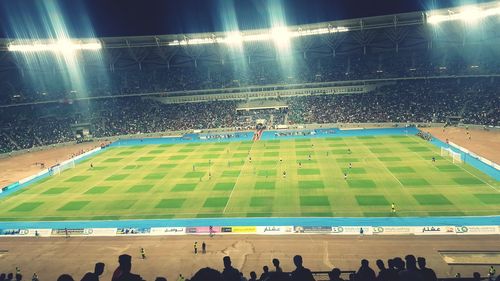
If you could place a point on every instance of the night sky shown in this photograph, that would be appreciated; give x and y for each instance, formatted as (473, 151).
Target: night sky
(104, 18)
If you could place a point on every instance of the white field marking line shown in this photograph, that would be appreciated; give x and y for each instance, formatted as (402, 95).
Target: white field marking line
(99, 182)
(238, 178)
(438, 154)
(385, 167)
(402, 186)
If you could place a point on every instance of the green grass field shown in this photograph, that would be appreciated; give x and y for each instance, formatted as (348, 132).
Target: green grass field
(172, 181)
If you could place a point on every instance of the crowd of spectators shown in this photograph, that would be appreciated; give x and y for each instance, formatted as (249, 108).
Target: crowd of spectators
(50, 85)
(397, 269)
(475, 102)
(468, 100)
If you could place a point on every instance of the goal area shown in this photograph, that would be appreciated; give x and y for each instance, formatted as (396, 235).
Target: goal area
(57, 169)
(448, 152)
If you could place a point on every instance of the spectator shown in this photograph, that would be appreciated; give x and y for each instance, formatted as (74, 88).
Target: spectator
(365, 273)
(122, 273)
(300, 273)
(411, 273)
(265, 273)
(207, 274)
(230, 273)
(65, 277)
(253, 276)
(334, 275)
(427, 273)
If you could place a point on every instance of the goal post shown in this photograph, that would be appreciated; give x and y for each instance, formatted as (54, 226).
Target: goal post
(69, 164)
(448, 152)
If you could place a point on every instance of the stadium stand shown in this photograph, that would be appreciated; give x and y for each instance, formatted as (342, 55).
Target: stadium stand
(430, 100)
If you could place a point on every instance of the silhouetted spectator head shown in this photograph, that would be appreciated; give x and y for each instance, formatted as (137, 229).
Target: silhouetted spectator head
(476, 276)
(334, 274)
(161, 279)
(207, 274)
(10, 276)
(421, 262)
(99, 268)
(125, 262)
(227, 261)
(411, 262)
(364, 263)
(390, 263)
(297, 260)
(380, 264)
(399, 264)
(2, 277)
(276, 262)
(65, 277)
(89, 276)
(253, 275)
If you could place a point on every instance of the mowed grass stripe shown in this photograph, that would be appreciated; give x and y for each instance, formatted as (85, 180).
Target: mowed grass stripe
(125, 188)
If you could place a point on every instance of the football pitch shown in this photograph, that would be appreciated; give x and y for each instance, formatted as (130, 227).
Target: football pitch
(205, 180)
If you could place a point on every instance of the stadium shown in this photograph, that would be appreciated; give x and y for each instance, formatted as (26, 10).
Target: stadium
(372, 139)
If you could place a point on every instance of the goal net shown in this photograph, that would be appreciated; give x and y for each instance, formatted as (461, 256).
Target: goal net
(56, 170)
(447, 152)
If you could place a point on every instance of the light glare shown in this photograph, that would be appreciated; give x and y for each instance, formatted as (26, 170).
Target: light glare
(468, 14)
(62, 46)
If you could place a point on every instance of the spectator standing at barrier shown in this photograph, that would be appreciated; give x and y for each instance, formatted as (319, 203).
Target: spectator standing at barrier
(411, 273)
(383, 273)
(365, 273)
(301, 273)
(122, 273)
(392, 272)
(276, 263)
(334, 275)
(94, 276)
(265, 273)
(427, 273)
(230, 273)
(253, 276)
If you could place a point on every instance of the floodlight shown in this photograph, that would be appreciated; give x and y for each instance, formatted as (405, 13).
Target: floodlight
(62, 46)
(471, 14)
(467, 14)
(256, 37)
(280, 36)
(233, 38)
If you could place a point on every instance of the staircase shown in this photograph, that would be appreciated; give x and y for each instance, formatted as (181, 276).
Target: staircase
(257, 135)
(12, 141)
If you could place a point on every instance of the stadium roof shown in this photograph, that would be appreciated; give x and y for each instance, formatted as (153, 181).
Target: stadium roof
(395, 21)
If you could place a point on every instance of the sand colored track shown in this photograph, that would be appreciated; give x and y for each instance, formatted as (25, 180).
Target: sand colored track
(483, 143)
(168, 256)
(18, 167)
